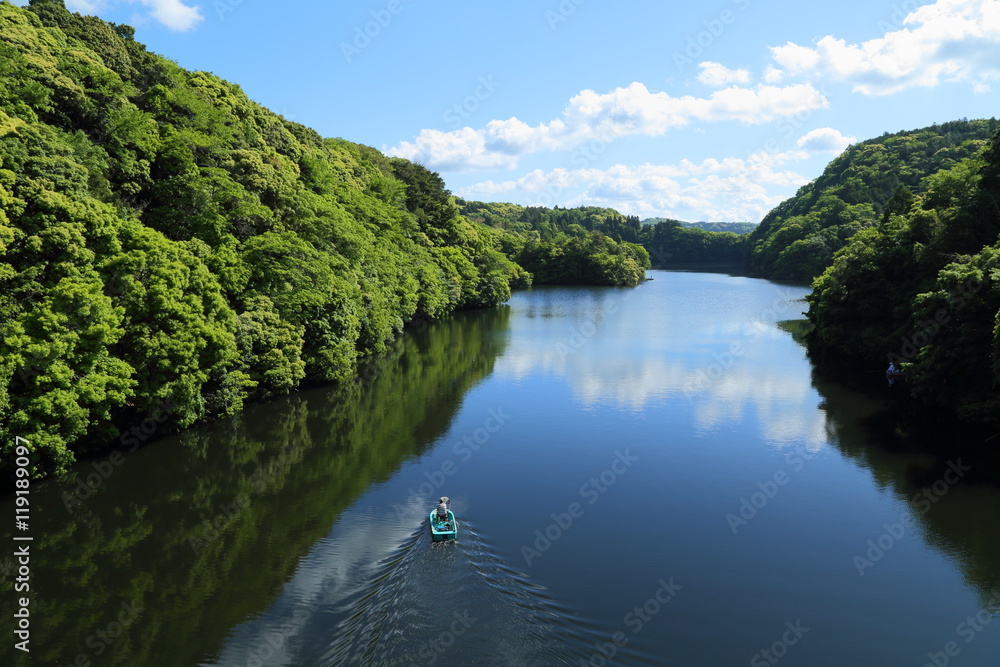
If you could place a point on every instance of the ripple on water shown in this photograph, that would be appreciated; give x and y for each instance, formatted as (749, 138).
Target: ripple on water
(446, 602)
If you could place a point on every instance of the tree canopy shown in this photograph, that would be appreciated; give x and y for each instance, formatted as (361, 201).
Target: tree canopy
(667, 242)
(922, 288)
(170, 247)
(857, 190)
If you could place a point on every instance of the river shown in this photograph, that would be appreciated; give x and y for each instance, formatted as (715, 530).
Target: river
(648, 476)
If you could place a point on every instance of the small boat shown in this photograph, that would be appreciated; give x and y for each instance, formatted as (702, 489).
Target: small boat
(896, 374)
(443, 530)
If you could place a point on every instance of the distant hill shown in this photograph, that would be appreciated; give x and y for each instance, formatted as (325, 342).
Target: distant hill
(670, 243)
(547, 223)
(735, 227)
(856, 191)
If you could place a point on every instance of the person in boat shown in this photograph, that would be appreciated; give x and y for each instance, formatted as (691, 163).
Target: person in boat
(442, 509)
(892, 368)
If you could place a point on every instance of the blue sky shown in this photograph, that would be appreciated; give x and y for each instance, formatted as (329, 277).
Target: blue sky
(698, 111)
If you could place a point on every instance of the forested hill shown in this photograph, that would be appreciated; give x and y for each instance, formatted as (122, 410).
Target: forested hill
(735, 227)
(922, 289)
(169, 249)
(545, 224)
(856, 191)
(668, 242)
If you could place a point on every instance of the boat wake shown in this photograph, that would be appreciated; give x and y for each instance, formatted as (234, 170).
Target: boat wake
(446, 603)
(352, 602)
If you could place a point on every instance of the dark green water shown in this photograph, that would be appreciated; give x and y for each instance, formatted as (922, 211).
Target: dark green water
(643, 477)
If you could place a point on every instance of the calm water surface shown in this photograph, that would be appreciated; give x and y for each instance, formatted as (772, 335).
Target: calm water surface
(643, 477)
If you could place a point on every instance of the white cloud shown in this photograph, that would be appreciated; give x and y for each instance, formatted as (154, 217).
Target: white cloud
(173, 14)
(461, 150)
(84, 6)
(825, 139)
(773, 75)
(946, 41)
(733, 189)
(589, 115)
(718, 75)
(794, 58)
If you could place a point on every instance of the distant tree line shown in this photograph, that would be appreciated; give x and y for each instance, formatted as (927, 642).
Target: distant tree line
(668, 242)
(735, 227)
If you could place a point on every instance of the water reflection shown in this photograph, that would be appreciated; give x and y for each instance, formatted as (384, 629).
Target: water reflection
(201, 531)
(953, 499)
(711, 340)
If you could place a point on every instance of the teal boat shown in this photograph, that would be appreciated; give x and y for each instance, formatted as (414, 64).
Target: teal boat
(443, 530)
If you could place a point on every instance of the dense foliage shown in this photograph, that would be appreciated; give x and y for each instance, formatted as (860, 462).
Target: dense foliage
(568, 246)
(168, 247)
(667, 242)
(922, 288)
(735, 227)
(672, 243)
(546, 224)
(591, 259)
(858, 189)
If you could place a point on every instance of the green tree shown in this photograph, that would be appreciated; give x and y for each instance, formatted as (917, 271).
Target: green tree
(167, 246)
(861, 187)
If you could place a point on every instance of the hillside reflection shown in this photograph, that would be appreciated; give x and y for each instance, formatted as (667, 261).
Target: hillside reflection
(193, 535)
(951, 497)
